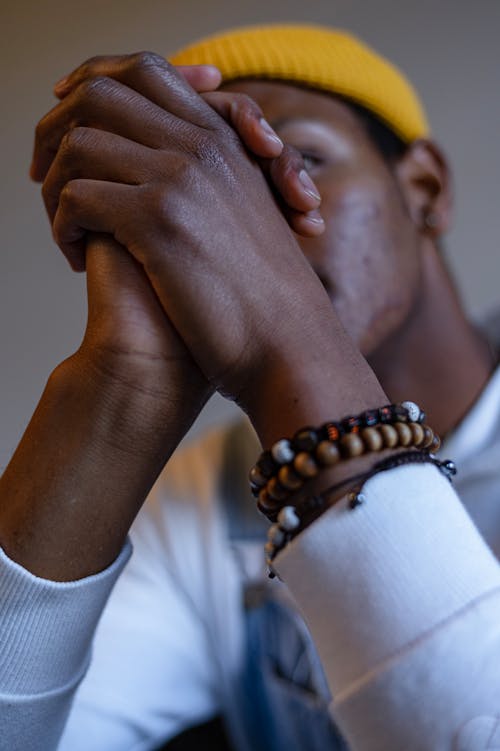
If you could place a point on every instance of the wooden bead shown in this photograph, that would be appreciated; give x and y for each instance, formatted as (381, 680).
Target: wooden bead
(265, 503)
(305, 440)
(435, 445)
(269, 548)
(417, 432)
(327, 453)
(372, 439)
(305, 465)
(404, 433)
(428, 437)
(275, 490)
(389, 435)
(271, 515)
(290, 479)
(352, 445)
(266, 464)
(257, 478)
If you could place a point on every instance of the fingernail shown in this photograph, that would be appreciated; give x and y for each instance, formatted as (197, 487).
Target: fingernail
(213, 70)
(269, 132)
(309, 186)
(314, 217)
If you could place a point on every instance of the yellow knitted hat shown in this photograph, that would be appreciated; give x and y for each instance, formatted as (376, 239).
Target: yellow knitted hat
(318, 57)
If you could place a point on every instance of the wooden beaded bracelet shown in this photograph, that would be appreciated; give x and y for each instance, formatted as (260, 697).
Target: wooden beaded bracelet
(289, 464)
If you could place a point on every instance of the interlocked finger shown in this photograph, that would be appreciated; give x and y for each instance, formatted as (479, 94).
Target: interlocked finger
(152, 76)
(292, 182)
(98, 155)
(108, 105)
(283, 165)
(91, 206)
(247, 118)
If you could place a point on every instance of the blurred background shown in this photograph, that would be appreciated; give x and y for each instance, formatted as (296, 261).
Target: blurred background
(449, 49)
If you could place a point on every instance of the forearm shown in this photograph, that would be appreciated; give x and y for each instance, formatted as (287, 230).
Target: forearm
(318, 380)
(89, 456)
(395, 594)
(311, 385)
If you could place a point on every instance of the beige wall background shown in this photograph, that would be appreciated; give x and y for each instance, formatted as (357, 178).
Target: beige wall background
(449, 48)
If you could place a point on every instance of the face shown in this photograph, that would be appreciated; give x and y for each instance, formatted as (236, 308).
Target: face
(368, 257)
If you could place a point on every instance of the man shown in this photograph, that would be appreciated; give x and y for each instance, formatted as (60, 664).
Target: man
(204, 287)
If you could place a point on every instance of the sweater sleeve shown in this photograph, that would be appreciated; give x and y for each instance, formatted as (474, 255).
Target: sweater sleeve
(402, 597)
(46, 630)
(168, 641)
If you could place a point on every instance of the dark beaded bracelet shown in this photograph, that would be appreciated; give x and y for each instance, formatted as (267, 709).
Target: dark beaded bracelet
(446, 467)
(290, 519)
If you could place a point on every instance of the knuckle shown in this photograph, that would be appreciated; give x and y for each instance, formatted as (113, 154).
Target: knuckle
(59, 231)
(95, 87)
(47, 191)
(166, 201)
(74, 140)
(157, 197)
(88, 65)
(291, 155)
(289, 161)
(69, 196)
(40, 130)
(207, 149)
(248, 105)
(158, 200)
(146, 60)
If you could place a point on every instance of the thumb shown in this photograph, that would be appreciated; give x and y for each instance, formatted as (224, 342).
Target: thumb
(201, 77)
(118, 290)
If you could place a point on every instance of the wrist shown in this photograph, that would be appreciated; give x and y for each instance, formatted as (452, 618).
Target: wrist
(117, 368)
(85, 464)
(134, 395)
(309, 385)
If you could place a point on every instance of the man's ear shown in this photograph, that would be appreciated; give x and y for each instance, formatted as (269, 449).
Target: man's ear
(425, 182)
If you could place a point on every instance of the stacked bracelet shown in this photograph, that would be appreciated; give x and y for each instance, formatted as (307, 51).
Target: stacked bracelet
(289, 464)
(290, 519)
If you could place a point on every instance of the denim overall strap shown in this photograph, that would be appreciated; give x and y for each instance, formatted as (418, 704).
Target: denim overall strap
(284, 692)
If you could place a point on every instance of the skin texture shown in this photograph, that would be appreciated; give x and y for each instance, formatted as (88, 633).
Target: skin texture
(205, 286)
(368, 257)
(377, 259)
(203, 254)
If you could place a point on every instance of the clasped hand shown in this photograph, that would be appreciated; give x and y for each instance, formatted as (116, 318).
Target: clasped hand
(212, 275)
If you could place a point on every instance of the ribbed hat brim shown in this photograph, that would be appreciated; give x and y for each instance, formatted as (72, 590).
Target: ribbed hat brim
(319, 57)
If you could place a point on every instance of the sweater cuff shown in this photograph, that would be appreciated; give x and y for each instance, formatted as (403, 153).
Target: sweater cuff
(372, 581)
(47, 627)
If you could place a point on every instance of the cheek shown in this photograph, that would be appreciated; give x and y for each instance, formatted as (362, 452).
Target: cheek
(370, 260)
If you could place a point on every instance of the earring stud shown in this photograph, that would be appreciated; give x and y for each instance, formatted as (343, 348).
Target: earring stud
(431, 220)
